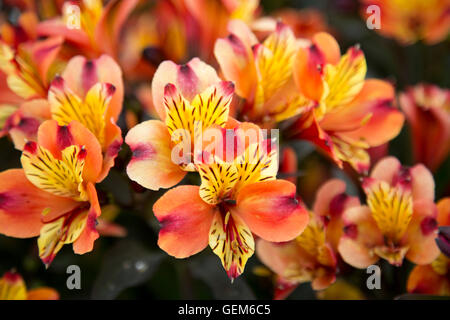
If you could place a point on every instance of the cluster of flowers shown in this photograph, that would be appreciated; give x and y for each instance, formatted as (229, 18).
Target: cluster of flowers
(62, 92)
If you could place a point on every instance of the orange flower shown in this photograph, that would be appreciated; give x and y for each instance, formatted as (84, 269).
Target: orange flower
(189, 99)
(12, 287)
(26, 70)
(411, 21)
(433, 278)
(235, 199)
(350, 114)
(89, 91)
(427, 109)
(311, 256)
(54, 196)
(398, 221)
(262, 72)
(99, 27)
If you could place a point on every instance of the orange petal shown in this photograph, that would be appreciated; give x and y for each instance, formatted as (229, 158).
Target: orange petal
(330, 203)
(43, 293)
(22, 205)
(266, 204)
(235, 58)
(190, 79)
(288, 164)
(361, 234)
(424, 280)
(422, 183)
(85, 242)
(421, 233)
(185, 221)
(328, 46)
(44, 53)
(151, 165)
(384, 125)
(56, 138)
(308, 72)
(386, 169)
(355, 113)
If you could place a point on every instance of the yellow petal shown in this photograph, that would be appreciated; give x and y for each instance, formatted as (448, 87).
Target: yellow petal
(218, 178)
(391, 208)
(232, 241)
(59, 177)
(256, 164)
(57, 233)
(344, 80)
(67, 106)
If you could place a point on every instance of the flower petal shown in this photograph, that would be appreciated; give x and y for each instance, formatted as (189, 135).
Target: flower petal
(421, 233)
(361, 234)
(151, 165)
(189, 79)
(266, 204)
(185, 221)
(22, 205)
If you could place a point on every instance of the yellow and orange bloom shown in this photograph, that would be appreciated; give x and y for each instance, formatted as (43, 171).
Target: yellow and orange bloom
(262, 72)
(427, 110)
(412, 21)
(307, 258)
(399, 220)
(349, 114)
(234, 201)
(12, 287)
(91, 92)
(99, 26)
(54, 195)
(433, 278)
(312, 256)
(189, 99)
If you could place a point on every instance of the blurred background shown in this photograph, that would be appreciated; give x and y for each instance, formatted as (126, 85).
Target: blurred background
(134, 267)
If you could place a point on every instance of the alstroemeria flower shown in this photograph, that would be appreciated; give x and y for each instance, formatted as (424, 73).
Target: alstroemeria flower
(91, 92)
(12, 287)
(308, 258)
(312, 255)
(235, 199)
(433, 278)
(26, 72)
(262, 72)
(189, 99)
(99, 27)
(398, 221)
(411, 21)
(427, 109)
(54, 195)
(351, 114)
(28, 68)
